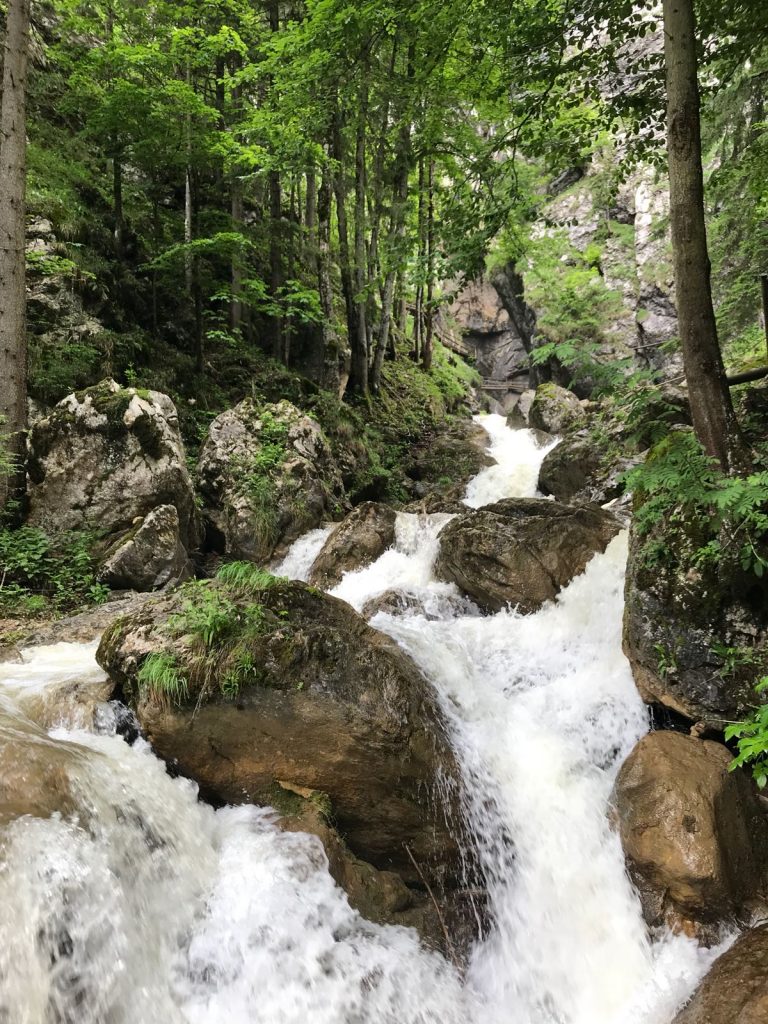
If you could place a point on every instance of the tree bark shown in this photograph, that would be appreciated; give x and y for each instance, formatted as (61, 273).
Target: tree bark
(713, 417)
(13, 295)
(359, 343)
(329, 360)
(429, 330)
(358, 378)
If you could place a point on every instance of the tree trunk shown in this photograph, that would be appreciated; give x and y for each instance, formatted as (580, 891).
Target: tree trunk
(396, 235)
(13, 296)
(329, 360)
(713, 417)
(359, 343)
(429, 330)
(238, 223)
(358, 378)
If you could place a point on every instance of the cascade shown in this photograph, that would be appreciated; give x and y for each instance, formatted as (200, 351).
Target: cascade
(149, 907)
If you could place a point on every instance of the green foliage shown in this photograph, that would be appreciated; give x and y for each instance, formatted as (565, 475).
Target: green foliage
(246, 577)
(752, 737)
(161, 677)
(47, 573)
(207, 616)
(682, 488)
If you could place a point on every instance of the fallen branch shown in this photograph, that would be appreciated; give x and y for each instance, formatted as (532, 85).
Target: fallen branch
(448, 944)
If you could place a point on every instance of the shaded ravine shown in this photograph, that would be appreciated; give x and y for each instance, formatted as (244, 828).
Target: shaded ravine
(148, 906)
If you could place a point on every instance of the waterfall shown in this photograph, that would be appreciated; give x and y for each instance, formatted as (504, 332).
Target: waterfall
(149, 907)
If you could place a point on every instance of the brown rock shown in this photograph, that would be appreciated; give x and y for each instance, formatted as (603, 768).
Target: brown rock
(694, 834)
(36, 772)
(735, 991)
(328, 705)
(521, 551)
(363, 537)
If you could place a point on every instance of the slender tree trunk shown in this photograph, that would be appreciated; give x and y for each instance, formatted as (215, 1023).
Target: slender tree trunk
(713, 417)
(310, 216)
(359, 343)
(329, 361)
(189, 209)
(396, 235)
(358, 378)
(275, 218)
(13, 296)
(429, 330)
(238, 218)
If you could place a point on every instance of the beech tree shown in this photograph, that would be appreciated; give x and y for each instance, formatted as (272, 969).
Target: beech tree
(13, 344)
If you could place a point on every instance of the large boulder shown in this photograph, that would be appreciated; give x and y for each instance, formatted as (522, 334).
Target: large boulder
(521, 551)
(151, 556)
(577, 470)
(106, 457)
(267, 685)
(735, 991)
(444, 463)
(266, 475)
(694, 628)
(694, 833)
(555, 410)
(364, 535)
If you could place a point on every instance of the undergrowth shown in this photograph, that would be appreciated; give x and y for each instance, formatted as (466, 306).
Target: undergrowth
(43, 574)
(219, 627)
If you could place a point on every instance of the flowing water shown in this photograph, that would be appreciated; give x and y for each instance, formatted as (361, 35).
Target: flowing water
(148, 907)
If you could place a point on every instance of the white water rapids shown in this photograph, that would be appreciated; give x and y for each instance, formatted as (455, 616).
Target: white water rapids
(151, 908)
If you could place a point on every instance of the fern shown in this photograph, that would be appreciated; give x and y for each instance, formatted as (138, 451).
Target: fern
(752, 736)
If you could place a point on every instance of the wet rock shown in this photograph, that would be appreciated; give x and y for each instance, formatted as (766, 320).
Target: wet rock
(150, 557)
(82, 628)
(555, 410)
(36, 772)
(363, 537)
(266, 475)
(735, 991)
(695, 835)
(105, 457)
(298, 691)
(518, 418)
(521, 551)
(380, 896)
(434, 607)
(446, 462)
(570, 468)
(576, 470)
(694, 630)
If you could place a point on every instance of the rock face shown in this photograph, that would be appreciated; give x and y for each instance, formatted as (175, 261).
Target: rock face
(735, 991)
(694, 633)
(496, 324)
(695, 835)
(521, 551)
(555, 410)
(106, 457)
(364, 535)
(266, 475)
(151, 556)
(306, 697)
